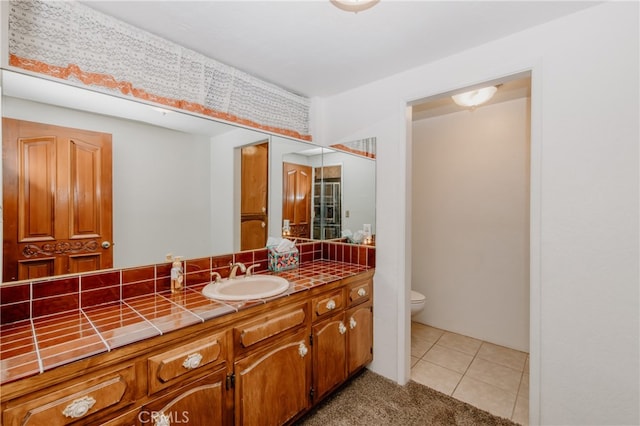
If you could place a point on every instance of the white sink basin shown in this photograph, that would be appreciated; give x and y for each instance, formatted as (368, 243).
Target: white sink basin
(243, 288)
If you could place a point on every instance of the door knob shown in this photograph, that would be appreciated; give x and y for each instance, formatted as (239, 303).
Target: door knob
(106, 244)
(263, 224)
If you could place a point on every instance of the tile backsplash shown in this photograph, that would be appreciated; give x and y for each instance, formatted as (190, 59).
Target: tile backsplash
(38, 298)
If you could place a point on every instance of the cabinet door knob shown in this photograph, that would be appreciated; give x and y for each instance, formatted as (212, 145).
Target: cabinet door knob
(302, 350)
(341, 328)
(79, 407)
(352, 323)
(362, 292)
(192, 361)
(162, 420)
(331, 304)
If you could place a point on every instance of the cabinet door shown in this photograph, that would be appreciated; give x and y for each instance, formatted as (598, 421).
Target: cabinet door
(202, 402)
(272, 385)
(360, 337)
(329, 355)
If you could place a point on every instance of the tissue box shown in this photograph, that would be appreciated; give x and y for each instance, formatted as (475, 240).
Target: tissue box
(283, 261)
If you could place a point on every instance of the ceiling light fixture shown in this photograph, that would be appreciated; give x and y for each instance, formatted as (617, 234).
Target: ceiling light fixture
(474, 98)
(354, 6)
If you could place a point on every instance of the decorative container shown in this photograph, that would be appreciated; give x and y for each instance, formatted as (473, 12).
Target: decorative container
(283, 261)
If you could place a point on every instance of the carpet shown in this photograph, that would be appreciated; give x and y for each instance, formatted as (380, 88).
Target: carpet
(370, 399)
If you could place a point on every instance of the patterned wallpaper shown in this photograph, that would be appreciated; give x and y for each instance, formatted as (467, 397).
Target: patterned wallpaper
(70, 41)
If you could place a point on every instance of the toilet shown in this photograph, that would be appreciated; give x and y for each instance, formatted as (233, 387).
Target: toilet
(417, 302)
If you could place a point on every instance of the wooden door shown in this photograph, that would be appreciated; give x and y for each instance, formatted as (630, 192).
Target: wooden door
(296, 199)
(253, 199)
(202, 402)
(329, 355)
(57, 200)
(272, 385)
(360, 337)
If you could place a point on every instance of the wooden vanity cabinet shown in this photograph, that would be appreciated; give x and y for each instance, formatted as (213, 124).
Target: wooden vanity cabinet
(359, 321)
(272, 369)
(263, 366)
(342, 335)
(272, 385)
(203, 402)
(84, 400)
(329, 355)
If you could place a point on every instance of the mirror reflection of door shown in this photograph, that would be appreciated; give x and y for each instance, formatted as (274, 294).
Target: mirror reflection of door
(296, 199)
(57, 200)
(253, 200)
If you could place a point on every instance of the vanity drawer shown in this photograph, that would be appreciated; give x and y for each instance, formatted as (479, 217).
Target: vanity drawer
(360, 291)
(166, 368)
(79, 402)
(270, 325)
(327, 304)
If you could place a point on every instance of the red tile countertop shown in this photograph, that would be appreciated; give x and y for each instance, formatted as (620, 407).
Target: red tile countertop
(33, 346)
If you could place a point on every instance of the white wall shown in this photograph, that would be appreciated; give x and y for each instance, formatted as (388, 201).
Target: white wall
(225, 191)
(160, 183)
(471, 222)
(358, 189)
(584, 204)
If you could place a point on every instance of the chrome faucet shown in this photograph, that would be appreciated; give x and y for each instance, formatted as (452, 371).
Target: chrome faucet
(234, 269)
(251, 268)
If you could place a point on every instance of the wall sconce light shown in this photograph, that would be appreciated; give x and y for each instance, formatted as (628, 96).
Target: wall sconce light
(474, 98)
(354, 6)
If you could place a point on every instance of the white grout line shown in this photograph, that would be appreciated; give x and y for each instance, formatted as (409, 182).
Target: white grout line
(96, 330)
(35, 343)
(143, 317)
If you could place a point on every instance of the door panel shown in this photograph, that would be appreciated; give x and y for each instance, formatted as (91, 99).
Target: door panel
(296, 199)
(36, 188)
(57, 200)
(253, 198)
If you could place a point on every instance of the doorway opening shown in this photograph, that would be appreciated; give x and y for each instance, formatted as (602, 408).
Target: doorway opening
(470, 245)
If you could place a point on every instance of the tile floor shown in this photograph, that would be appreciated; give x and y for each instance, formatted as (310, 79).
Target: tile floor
(491, 377)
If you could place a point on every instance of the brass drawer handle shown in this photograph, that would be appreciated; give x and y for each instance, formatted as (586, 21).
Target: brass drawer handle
(362, 292)
(331, 304)
(192, 361)
(79, 407)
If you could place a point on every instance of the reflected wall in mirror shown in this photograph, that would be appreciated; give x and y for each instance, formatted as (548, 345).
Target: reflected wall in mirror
(174, 174)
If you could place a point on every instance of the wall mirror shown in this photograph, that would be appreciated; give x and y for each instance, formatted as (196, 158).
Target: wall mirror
(174, 174)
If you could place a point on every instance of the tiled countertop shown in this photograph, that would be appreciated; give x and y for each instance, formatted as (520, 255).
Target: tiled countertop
(33, 346)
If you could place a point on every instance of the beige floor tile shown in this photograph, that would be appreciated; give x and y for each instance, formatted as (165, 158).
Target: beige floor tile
(485, 396)
(425, 332)
(436, 377)
(502, 355)
(448, 358)
(523, 391)
(526, 365)
(494, 374)
(420, 347)
(414, 360)
(460, 343)
(521, 411)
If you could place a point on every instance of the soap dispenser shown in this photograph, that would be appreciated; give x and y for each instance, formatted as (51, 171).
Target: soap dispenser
(177, 274)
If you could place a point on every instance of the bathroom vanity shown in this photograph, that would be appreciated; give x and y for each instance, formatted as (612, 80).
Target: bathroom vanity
(263, 363)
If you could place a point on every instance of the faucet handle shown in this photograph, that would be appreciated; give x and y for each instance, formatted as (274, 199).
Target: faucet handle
(217, 275)
(251, 268)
